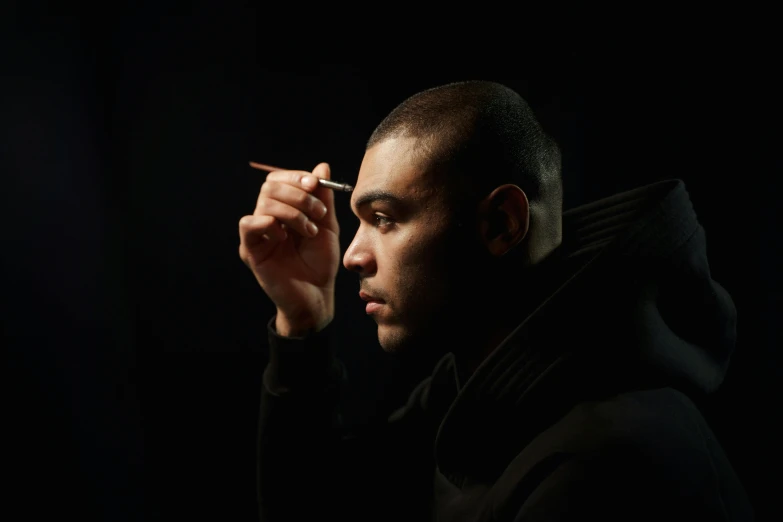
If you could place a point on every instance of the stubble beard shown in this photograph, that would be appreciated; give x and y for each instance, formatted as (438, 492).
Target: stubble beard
(426, 321)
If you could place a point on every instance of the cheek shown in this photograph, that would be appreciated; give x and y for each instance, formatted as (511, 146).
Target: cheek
(423, 266)
(419, 252)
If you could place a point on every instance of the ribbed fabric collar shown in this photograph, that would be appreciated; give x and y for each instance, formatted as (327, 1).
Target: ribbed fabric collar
(530, 379)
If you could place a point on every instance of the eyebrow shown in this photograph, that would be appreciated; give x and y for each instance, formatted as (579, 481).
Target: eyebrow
(377, 195)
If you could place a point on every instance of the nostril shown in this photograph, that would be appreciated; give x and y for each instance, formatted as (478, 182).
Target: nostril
(355, 267)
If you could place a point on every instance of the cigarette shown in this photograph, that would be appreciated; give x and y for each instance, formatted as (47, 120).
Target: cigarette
(345, 187)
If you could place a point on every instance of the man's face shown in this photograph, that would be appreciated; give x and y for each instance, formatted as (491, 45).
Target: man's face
(405, 248)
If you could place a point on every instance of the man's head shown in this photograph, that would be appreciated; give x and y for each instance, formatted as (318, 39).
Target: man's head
(459, 190)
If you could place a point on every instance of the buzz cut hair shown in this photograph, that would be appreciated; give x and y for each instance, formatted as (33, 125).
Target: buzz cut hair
(478, 135)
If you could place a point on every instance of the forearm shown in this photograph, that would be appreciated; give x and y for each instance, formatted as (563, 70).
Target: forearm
(298, 436)
(310, 468)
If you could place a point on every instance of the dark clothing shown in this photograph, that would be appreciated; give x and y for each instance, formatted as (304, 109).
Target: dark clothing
(588, 409)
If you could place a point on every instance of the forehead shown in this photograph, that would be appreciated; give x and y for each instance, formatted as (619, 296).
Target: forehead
(395, 166)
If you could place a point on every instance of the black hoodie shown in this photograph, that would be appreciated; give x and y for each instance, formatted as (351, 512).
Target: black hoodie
(588, 408)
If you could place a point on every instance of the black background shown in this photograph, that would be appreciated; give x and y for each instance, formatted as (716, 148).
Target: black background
(135, 334)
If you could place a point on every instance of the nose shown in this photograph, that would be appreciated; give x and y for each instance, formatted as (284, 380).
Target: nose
(359, 256)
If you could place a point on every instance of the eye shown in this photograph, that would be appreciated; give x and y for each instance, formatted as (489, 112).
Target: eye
(382, 221)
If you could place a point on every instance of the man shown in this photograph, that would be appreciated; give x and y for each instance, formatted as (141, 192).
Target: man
(570, 346)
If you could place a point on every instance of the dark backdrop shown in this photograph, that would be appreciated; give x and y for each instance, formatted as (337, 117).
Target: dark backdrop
(135, 335)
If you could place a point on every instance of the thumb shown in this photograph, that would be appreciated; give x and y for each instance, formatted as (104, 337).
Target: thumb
(323, 170)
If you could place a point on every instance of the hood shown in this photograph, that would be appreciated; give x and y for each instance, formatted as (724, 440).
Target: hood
(634, 306)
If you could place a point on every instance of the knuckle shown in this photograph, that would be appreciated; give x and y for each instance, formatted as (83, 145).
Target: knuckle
(269, 188)
(300, 218)
(244, 255)
(315, 204)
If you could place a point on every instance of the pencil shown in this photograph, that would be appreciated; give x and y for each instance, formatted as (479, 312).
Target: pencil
(323, 182)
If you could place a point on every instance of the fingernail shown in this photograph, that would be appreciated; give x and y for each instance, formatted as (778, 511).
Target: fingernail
(312, 228)
(321, 211)
(309, 181)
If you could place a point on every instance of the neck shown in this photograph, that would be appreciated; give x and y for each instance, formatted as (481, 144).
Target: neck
(499, 314)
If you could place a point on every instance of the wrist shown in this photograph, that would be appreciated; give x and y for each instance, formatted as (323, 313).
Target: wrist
(287, 326)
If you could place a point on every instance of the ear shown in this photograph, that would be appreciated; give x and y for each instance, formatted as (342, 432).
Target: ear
(504, 218)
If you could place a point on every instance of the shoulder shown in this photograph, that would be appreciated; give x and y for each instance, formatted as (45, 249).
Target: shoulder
(636, 456)
(646, 421)
(650, 435)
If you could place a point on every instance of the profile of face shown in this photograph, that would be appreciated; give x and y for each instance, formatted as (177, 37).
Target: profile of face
(409, 252)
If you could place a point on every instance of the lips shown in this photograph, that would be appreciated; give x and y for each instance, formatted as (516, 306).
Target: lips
(368, 297)
(373, 303)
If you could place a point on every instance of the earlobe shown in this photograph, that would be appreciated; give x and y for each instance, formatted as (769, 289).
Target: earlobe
(504, 219)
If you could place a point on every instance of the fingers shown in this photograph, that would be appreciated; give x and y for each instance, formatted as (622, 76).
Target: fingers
(296, 200)
(288, 215)
(306, 203)
(258, 235)
(297, 178)
(323, 170)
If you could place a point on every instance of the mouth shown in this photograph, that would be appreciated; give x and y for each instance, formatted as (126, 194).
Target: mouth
(373, 303)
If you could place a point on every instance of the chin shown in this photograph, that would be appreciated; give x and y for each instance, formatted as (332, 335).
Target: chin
(405, 342)
(395, 339)
(391, 343)
(418, 352)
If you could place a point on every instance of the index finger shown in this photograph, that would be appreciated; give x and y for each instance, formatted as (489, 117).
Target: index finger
(299, 178)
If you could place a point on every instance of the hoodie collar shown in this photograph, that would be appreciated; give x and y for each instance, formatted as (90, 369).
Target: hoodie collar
(544, 367)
